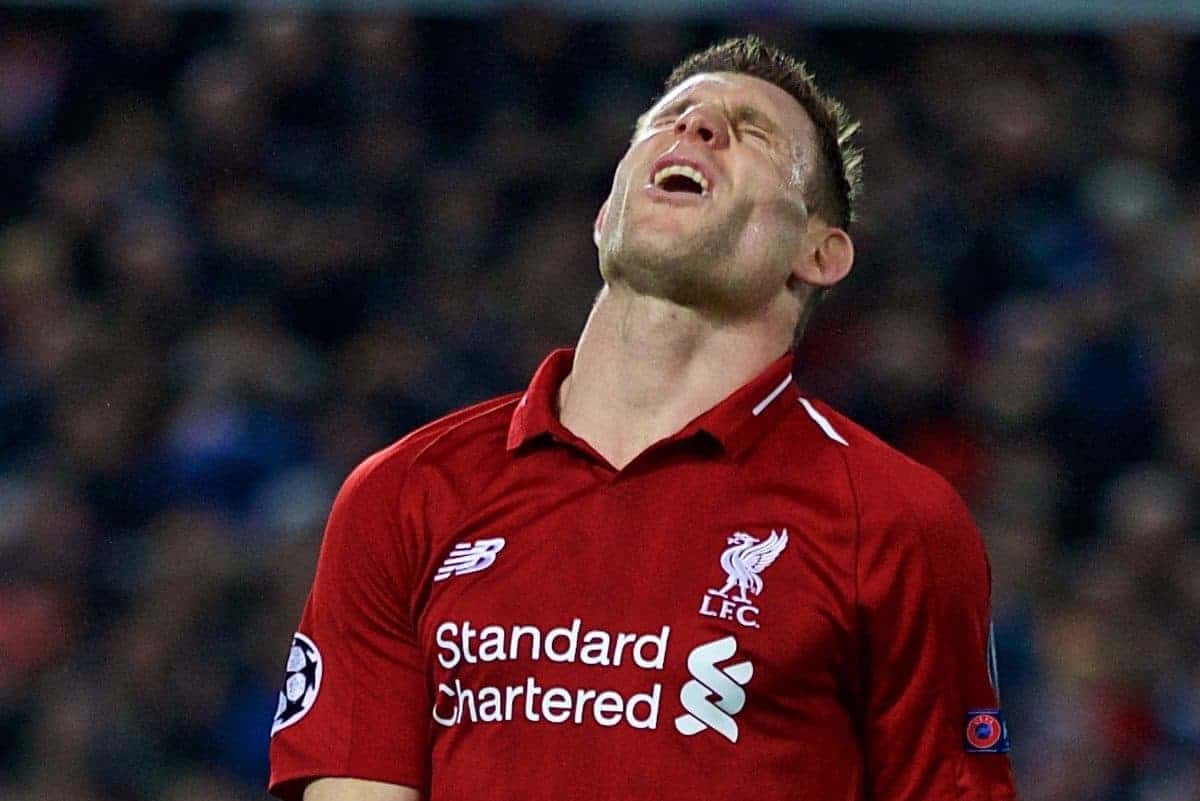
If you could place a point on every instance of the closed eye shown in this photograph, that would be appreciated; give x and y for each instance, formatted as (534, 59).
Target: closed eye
(757, 133)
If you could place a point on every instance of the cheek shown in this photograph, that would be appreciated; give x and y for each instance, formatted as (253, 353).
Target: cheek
(623, 184)
(778, 213)
(634, 160)
(785, 209)
(774, 232)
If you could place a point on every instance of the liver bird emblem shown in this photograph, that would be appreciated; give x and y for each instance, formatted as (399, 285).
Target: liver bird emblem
(747, 557)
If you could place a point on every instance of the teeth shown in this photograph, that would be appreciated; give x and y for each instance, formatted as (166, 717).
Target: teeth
(685, 171)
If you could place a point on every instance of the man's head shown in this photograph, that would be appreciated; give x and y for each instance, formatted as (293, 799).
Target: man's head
(737, 189)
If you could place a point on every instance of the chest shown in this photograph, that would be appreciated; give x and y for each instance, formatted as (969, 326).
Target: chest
(621, 584)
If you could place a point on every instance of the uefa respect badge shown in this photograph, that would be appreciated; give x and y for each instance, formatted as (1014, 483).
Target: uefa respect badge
(986, 732)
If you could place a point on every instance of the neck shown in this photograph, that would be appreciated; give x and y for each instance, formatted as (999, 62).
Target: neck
(645, 367)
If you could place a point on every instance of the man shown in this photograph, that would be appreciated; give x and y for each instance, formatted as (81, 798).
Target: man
(661, 572)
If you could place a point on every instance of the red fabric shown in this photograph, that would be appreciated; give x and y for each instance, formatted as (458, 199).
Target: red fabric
(850, 679)
(950, 449)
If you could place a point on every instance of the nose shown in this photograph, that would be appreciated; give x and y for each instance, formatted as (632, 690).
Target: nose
(705, 124)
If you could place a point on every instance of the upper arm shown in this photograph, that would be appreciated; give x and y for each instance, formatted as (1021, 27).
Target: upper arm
(358, 790)
(925, 602)
(355, 703)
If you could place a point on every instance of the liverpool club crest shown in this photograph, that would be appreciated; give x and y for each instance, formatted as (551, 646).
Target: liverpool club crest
(743, 562)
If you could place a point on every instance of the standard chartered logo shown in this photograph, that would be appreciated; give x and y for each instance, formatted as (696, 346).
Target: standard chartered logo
(494, 694)
(460, 702)
(715, 694)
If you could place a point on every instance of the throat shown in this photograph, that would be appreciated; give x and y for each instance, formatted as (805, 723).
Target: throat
(646, 367)
(616, 436)
(621, 409)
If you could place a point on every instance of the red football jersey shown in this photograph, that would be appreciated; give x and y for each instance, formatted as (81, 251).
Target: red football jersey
(770, 604)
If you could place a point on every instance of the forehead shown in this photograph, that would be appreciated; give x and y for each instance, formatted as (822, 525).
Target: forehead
(736, 88)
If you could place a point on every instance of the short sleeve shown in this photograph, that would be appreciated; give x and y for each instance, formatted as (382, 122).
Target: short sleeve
(925, 604)
(354, 702)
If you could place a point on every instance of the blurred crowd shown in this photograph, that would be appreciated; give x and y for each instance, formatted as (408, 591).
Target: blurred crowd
(238, 253)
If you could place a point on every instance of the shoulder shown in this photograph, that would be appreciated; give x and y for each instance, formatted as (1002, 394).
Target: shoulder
(891, 490)
(453, 438)
(383, 512)
(910, 521)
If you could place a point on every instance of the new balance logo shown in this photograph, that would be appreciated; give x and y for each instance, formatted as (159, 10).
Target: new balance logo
(714, 695)
(469, 557)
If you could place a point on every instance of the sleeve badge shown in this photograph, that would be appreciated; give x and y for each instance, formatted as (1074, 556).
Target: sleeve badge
(301, 683)
(986, 732)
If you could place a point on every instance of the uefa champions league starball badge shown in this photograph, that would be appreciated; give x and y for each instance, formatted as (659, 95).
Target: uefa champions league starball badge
(301, 683)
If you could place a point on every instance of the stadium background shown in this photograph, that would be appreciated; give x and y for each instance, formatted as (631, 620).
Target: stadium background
(240, 251)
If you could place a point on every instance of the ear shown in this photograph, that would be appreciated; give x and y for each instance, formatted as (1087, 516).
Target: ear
(827, 257)
(599, 222)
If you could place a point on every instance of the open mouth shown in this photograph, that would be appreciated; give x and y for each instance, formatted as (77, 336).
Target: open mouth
(681, 178)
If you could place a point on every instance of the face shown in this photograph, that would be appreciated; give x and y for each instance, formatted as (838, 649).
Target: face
(707, 205)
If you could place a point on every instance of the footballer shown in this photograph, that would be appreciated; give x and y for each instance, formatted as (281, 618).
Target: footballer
(663, 571)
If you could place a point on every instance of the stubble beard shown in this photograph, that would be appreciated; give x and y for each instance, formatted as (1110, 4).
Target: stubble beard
(695, 270)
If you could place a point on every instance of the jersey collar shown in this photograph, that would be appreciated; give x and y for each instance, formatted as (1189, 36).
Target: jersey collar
(735, 423)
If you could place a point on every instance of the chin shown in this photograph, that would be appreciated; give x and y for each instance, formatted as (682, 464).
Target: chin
(661, 244)
(663, 274)
(667, 258)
